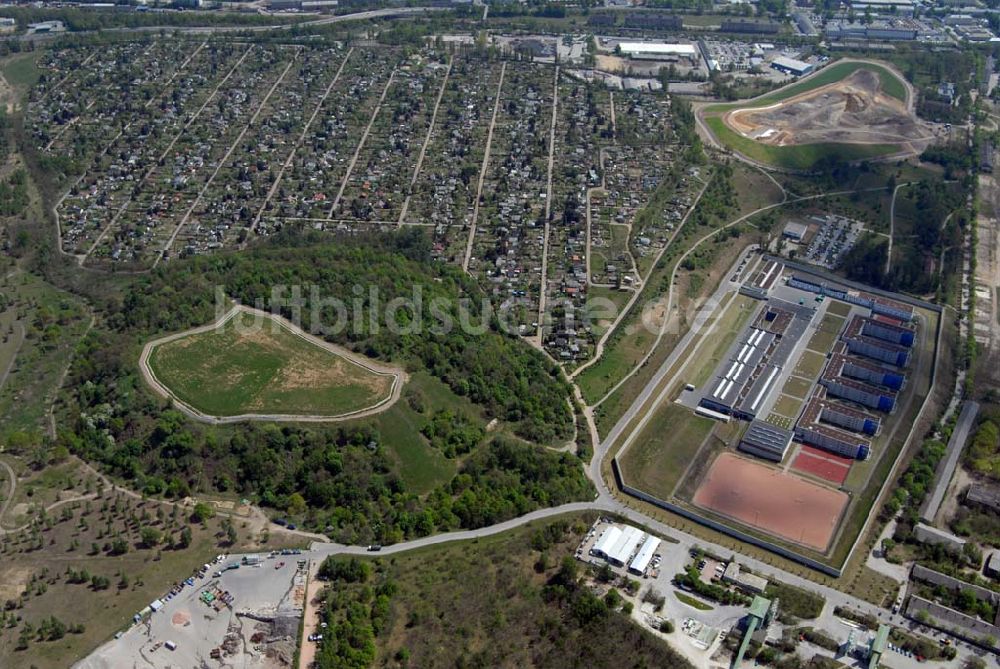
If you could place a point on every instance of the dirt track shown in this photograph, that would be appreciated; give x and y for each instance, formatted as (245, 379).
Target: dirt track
(853, 110)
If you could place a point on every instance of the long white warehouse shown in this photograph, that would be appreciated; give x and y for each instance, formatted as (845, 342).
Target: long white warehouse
(654, 50)
(641, 560)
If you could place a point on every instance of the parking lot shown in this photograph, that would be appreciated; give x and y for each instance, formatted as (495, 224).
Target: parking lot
(834, 237)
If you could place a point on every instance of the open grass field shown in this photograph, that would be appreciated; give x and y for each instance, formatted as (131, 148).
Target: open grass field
(661, 453)
(724, 331)
(838, 308)
(797, 387)
(788, 406)
(821, 341)
(262, 367)
(810, 364)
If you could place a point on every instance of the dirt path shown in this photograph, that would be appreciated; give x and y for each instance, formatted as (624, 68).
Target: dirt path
(399, 377)
(599, 349)
(361, 144)
(482, 171)
(543, 286)
(310, 617)
(427, 141)
(298, 143)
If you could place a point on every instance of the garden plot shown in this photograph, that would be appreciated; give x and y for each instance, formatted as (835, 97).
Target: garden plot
(380, 179)
(580, 119)
(507, 244)
(317, 171)
(445, 190)
(239, 190)
(123, 91)
(96, 202)
(166, 197)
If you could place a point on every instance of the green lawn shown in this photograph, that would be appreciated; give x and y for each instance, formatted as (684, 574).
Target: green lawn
(788, 406)
(661, 453)
(838, 308)
(821, 342)
(231, 371)
(810, 365)
(691, 601)
(800, 157)
(797, 387)
(21, 71)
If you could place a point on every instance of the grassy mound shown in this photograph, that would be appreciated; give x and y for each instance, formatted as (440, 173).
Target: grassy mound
(263, 367)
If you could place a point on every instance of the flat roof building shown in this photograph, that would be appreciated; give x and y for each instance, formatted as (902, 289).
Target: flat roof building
(876, 348)
(932, 535)
(835, 427)
(791, 66)
(656, 50)
(877, 303)
(644, 556)
(766, 441)
(795, 230)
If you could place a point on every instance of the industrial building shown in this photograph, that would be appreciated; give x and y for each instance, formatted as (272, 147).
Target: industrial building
(751, 27)
(932, 535)
(657, 50)
(760, 615)
(759, 285)
(755, 585)
(879, 643)
(766, 441)
(895, 30)
(619, 545)
(791, 66)
(795, 231)
(877, 303)
(750, 373)
(897, 7)
(644, 556)
(643, 20)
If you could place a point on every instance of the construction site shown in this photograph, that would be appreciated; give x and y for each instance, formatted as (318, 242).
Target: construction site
(855, 109)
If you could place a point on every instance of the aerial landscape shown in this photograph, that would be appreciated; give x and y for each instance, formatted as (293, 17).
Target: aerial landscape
(462, 333)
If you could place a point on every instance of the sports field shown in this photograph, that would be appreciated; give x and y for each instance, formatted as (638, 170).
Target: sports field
(833, 468)
(254, 365)
(780, 504)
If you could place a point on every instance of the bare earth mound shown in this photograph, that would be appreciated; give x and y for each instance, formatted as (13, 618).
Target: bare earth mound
(854, 110)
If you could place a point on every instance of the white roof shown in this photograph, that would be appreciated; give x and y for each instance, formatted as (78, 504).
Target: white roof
(607, 540)
(657, 47)
(645, 554)
(156, 605)
(625, 546)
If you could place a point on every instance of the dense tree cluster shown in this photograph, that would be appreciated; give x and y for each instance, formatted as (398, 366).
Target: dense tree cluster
(509, 379)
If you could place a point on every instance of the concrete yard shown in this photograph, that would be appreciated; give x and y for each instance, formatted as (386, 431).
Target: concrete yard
(265, 591)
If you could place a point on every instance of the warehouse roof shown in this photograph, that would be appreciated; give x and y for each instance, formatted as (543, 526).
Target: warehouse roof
(657, 47)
